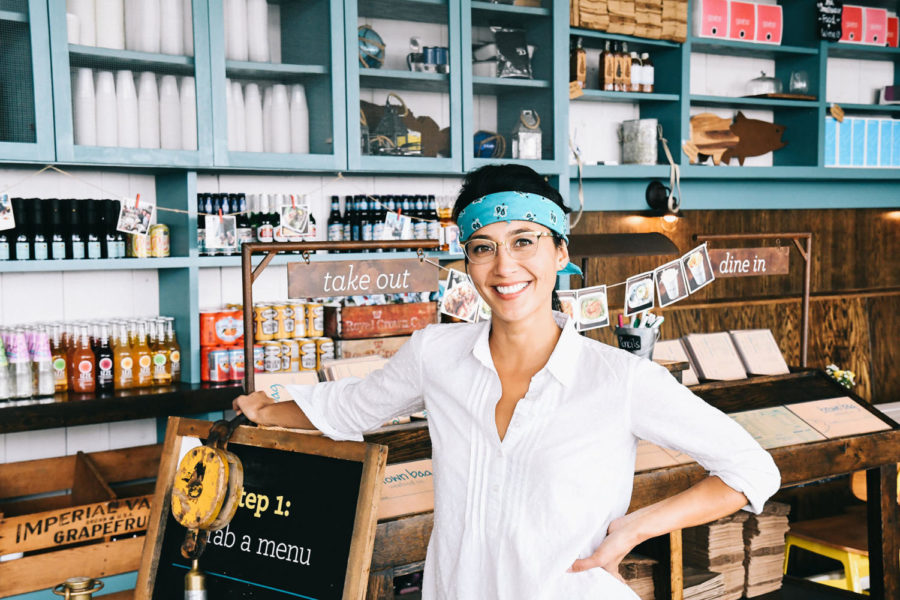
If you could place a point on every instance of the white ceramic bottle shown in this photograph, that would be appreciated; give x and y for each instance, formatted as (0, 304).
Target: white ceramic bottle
(236, 29)
(169, 113)
(240, 121)
(127, 110)
(299, 120)
(281, 119)
(107, 119)
(229, 106)
(258, 30)
(86, 13)
(268, 137)
(171, 14)
(187, 23)
(148, 26)
(148, 110)
(85, 108)
(188, 99)
(274, 33)
(132, 18)
(110, 23)
(253, 117)
(73, 29)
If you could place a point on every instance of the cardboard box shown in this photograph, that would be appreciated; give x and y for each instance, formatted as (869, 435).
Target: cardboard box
(358, 322)
(742, 21)
(711, 18)
(875, 26)
(893, 31)
(386, 347)
(408, 489)
(852, 24)
(769, 23)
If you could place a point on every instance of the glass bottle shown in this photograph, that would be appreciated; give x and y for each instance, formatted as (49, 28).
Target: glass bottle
(348, 215)
(76, 241)
(335, 223)
(105, 361)
(83, 364)
(420, 225)
(174, 350)
(433, 225)
(20, 366)
(92, 229)
(57, 235)
(162, 368)
(23, 230)
(40, 247)
(5, 383)
(123, 367)
(578, 64)
(142, 357)
(42, 361)
(647, 74)
(58, 354)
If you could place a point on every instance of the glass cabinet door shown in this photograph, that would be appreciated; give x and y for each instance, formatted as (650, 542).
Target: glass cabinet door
(403, 85)
(129, 89)
(26, 119)
(278, 83)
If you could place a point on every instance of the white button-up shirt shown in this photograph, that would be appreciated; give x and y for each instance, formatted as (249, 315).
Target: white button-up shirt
(511, 517)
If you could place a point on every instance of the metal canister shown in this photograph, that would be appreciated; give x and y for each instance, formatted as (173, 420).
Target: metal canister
(159, 240)
(324, 350)
(219, 365)
(299, 319)
(139, 246)
(266, 322)
(236, 363)
(308, 355)
(259, 359)
(78, 588)
(284, 317)
(290, 355)
(314, 320)
(272, 357)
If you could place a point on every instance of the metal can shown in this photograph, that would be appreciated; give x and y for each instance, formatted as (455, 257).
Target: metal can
(284, 318)
(259, 359)
(139, 246)
(230, 327)
(324, 349)
(219, 365)
(309, 358)
(159, 240)
(272, 357)
(266, 322)
(208, 335)
(290, 355)
(314, 320)
(299, 319)
(236, 363)
(204, 363)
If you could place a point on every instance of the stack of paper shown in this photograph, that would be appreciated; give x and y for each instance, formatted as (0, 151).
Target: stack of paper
(637, 571)
(759, 351)
(714, 356)
(764, 549)
(719, 546)
(673, 350)
(339, 368)
(593, 14)
(648, 18)
(621, 16)
(674, 20)
(700, 584)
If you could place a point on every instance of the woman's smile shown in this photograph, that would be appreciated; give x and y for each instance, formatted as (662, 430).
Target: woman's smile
(510, 291)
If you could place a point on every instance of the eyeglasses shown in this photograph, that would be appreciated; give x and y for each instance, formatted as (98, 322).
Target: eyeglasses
(520, 246)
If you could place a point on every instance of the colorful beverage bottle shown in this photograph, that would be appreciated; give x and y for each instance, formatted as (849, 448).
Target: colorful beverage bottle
(59, 354)
(162, 368)
(123, 369)
(104, 361)
(42, 364)
(142, 357)
(174, 350)
(83, 365)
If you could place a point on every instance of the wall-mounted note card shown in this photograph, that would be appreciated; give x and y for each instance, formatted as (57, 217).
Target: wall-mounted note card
(673, 350)
(714, 356)
(775, 427)
(759, 351)
(836, 417)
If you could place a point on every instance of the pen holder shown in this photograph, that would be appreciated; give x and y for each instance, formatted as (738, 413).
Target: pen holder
(638, 340)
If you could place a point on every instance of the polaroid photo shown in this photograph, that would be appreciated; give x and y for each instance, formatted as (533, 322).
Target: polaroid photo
(639, 294)
(592, 308)
(484, 311)
(671, 285)
(460, 300)
(295, 219)
(221, 232)
(7, 218)
(397, 227)
(567, 298)
(135, 215)
(697, 268)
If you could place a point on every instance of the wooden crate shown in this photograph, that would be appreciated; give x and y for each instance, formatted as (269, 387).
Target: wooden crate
(81, 515)
(357, 322)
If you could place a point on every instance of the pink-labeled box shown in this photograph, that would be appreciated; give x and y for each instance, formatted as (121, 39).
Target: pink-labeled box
(742, 21)
(893, 31)
(852, 24)
(711, 18)
(768, 24)
(875, 27)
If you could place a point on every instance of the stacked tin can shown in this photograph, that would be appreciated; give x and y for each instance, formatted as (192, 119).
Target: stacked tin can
(222, 346)
(291, 336)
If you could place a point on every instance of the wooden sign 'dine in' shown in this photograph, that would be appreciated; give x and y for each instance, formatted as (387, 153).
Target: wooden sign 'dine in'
(750, 262)
(360, 278)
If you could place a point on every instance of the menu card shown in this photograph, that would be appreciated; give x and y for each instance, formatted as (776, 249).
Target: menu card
(673, 350)
(776, 426)
(714, 356)
(837, 417)
(759, 351)
(650, 456)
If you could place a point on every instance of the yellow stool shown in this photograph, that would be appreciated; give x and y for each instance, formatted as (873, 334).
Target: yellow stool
(843, 538)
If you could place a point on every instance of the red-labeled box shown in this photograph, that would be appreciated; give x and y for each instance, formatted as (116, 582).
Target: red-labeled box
(893, 31)
(875, 27)
(768, 24)
(852, 24)
(711, 18)
(742, 21)
(357, 322)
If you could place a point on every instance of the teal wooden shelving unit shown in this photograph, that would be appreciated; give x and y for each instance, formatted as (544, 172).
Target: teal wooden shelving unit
(26, 115)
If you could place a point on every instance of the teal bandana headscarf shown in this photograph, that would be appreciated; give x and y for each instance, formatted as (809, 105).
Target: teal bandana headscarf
(515, 206)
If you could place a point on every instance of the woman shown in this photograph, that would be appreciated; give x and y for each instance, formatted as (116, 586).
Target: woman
(533, 427)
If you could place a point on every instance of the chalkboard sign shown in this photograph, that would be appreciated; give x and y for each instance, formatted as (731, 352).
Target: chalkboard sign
(304, 527)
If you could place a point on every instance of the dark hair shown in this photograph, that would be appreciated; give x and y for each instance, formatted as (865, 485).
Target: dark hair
(508, 178)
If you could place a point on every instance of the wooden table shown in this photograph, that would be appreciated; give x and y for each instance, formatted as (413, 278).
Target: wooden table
(400, 544)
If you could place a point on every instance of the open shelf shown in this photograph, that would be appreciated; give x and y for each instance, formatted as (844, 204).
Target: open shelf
(93, 57)
(273, 71)
(101, 264)
(752, 49)
(603, 96)
(871, 108)
(420, 11)
(482, 10)
(619, 171)
(404, 80)
(13, 15)
(702, 100)
(498, 85)
(784, 172)
(862, 51)
(616, 37)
